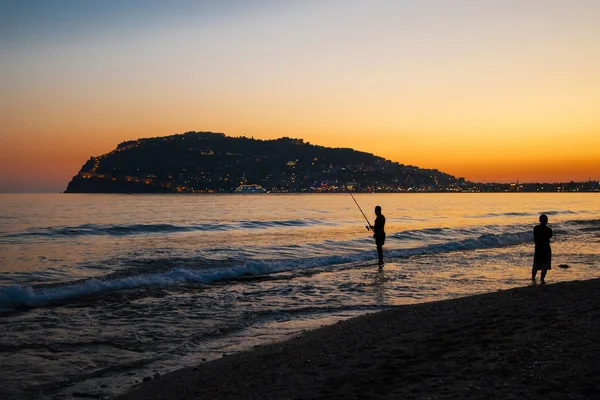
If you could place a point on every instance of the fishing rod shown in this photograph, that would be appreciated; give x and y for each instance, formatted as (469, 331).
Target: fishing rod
(355, 202)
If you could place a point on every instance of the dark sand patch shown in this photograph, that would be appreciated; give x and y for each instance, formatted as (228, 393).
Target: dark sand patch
(533, 342)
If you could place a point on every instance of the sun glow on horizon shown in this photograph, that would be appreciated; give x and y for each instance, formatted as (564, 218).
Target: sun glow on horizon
(493, 92)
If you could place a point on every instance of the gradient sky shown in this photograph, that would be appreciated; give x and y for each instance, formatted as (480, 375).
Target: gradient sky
(495, 90)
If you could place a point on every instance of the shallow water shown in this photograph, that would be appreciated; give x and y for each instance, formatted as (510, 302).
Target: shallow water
(98, 291)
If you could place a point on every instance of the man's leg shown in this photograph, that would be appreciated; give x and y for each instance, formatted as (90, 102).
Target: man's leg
(380, 253)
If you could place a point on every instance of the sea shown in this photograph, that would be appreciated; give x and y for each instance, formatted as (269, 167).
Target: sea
(101, 291)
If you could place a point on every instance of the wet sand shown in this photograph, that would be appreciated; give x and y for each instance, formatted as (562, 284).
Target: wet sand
(538, 341)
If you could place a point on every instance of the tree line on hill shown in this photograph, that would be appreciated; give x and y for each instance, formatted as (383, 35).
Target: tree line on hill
(213, 162)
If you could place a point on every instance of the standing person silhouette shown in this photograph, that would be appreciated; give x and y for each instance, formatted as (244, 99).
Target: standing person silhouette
(379, 234)
(542, 258)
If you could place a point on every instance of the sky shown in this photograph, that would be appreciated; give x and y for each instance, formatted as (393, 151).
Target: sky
(493, 91)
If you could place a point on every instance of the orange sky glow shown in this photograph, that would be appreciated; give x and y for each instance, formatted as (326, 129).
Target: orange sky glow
(493, 92)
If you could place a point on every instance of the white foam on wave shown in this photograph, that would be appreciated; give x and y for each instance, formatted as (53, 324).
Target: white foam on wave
(17, 294)
(26, 295)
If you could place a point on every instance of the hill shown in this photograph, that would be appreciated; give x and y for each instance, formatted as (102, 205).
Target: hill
(214, 162)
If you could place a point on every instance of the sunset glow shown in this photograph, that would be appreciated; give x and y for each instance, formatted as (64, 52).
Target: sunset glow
(490, 91)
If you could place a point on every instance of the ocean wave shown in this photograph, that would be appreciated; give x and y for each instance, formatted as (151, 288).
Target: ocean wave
(591, 229)
(18, 295)
(524, 214)
(591, 222)
(111, 230)
(270, 224)
(439, 233)
(485, 241)
(507, 214)
(140, 229)
(443, 233)
(561, 212)
(253, 264)
(166, 228)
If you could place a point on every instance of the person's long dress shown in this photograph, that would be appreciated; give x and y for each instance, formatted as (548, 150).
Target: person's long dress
(542, 258)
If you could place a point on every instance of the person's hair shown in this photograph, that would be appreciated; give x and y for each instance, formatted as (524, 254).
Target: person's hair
(544, 219)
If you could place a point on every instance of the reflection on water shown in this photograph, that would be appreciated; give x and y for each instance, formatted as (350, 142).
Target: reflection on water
(171, 291)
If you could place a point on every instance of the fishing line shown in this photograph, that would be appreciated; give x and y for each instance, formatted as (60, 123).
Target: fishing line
(355, 202)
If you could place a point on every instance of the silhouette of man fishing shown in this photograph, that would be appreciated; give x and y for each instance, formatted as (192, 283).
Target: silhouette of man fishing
(542, 257)
(378, 228)
(379, 233)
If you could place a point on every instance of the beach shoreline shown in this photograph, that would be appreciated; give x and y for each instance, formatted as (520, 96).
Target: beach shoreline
(529, 342)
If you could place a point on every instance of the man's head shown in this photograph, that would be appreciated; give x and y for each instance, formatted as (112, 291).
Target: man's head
(378, 210)
(543, 219)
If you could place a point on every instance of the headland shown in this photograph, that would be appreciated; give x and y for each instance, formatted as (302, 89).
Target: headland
(206, 162)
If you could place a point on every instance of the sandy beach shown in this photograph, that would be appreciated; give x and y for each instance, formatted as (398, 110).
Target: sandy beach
(537, 341)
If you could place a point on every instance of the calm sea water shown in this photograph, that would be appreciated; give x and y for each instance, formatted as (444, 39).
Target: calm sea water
(99, 291)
